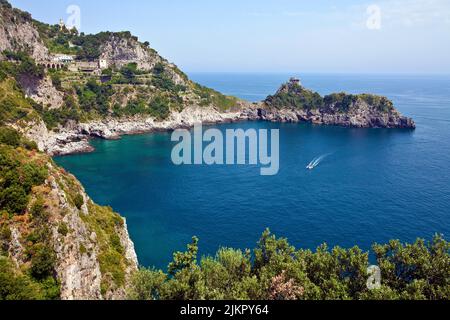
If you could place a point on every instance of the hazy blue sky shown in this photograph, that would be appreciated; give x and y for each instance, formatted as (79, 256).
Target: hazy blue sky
(275, 35)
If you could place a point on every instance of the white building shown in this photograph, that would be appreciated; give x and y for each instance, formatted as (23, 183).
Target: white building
(103, 64)
(63, 58)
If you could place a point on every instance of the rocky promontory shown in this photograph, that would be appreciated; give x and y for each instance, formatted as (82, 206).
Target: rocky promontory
(294, 103)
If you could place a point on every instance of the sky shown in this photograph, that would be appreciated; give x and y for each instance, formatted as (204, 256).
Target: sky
(345, 36)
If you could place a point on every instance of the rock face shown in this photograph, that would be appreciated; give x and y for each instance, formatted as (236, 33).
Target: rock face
(17, 33)
(74, 138)
(362, 117)
(78, 249)
(121, 50)
(42, 91)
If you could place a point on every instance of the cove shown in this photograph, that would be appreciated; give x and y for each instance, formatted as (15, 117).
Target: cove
(375, 185)
(361, 194)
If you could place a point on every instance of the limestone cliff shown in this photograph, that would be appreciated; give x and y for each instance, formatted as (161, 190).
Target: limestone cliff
(18, 33)
(60, 233)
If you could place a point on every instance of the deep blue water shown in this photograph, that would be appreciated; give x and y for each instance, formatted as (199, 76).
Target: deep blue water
(376, 185)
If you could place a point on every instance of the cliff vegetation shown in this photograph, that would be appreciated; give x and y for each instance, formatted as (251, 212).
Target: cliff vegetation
(275, 270)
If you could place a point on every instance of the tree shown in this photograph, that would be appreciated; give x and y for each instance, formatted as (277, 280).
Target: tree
(9, 137)
(146, 285)
(279, 271)
(185, 260)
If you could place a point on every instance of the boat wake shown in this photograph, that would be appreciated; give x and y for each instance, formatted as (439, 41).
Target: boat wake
(313, 164)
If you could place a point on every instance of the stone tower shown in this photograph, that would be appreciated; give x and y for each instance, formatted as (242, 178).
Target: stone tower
(62, 25)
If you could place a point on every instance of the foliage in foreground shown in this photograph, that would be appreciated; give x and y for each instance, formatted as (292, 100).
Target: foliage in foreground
(277, 271)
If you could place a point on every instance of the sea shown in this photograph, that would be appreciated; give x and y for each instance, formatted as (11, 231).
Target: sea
(370, 185)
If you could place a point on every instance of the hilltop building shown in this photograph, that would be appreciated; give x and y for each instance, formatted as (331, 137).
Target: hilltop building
(295, 81)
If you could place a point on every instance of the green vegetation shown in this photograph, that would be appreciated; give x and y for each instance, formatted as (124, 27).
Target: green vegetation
(104, 222)
(40, 253)
(94, 97)
(24, 65)
(22, 169)
(18, 173)
(85, 47)
(297, 97)
(68, 112)
(78, 201)
(63, 229)
(17, 286)
(277, 271)
(159, 108)
(90, 44)
(14, 105)
(211, 97)
(341, 101)
(382, 104)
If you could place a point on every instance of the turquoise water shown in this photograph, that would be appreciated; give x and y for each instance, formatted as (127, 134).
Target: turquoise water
(376, 185)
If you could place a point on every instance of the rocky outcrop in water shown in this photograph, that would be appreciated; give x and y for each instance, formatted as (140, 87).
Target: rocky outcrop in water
(294, 103)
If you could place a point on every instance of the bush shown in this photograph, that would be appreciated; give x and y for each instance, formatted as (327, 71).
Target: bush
(94, 97)
(159, 108)
(10, 137)
(18, 178)
(78, 201)
(42, 262)
(277, 270)
(296, 97)
(63, 229)
(56, 81)
(14, 286)
(38, 209)
(129, 71)
(14, 199)
(146, 284)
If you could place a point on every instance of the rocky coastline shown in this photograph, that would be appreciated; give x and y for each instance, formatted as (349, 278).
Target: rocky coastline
(75, 137)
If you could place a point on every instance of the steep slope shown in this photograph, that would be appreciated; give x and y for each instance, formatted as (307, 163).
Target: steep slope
(18, 33)
(52, 232)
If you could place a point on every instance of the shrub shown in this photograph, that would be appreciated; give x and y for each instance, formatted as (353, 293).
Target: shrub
(42, 262)
(14, 199)
(63, 229)
(14, 286)
(38, 209)
(129, 71)
(10, 137)
(159, 108)
(146, 284)
(78, 201)
(296, 97)
(277, 270)
(56, 81)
